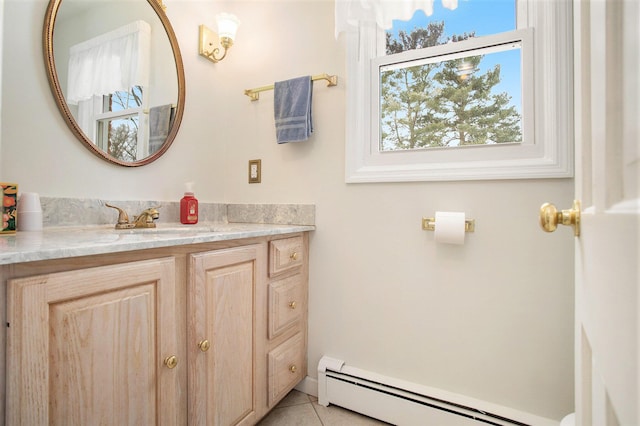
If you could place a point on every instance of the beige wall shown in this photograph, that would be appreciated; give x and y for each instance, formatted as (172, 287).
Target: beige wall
(1, 41)
(491, 319)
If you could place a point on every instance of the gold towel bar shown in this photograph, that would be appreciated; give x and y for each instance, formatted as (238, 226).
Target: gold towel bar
(254, 94)
(146, 111)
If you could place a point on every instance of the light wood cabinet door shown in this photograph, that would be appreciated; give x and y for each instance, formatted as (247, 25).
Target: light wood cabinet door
(225, 301)
(88, 346)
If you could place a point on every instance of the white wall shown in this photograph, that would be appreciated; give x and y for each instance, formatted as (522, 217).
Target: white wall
(491, 319)
(1, 33)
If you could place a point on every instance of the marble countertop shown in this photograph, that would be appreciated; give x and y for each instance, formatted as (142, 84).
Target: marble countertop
(63, 242)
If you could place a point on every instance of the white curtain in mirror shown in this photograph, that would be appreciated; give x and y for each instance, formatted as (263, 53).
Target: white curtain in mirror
(111, 62)
(86, 116)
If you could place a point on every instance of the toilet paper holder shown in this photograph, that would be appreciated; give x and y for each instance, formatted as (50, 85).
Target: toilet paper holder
(429, 224)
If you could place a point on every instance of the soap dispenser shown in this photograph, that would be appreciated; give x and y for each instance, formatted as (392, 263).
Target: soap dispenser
(189, 206)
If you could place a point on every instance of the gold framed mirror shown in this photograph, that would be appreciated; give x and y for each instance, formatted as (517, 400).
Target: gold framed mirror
(134, 120)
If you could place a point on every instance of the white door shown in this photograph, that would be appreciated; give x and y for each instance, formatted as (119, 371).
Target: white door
(607, 93)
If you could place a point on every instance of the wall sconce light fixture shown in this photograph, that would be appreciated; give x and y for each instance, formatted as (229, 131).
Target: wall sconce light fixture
(209, 40)
(465, 69)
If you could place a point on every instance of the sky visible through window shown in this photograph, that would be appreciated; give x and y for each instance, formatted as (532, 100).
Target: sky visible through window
(482, 16)
(485, 17)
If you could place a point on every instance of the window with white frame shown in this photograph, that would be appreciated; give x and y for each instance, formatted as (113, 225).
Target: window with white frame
(469, 90)
(118, 123)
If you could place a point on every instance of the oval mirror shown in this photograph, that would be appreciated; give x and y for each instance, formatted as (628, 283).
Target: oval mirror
(116, 73)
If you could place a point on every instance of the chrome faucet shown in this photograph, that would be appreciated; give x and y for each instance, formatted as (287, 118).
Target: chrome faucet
(143, 220)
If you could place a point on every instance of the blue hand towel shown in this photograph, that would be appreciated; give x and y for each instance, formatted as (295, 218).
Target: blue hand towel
(292, 109)
(159, 126)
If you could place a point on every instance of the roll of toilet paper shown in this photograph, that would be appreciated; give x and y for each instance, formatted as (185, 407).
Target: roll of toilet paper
(450, 227)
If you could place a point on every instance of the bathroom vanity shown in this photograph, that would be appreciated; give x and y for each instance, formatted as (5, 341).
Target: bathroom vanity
(186, 325)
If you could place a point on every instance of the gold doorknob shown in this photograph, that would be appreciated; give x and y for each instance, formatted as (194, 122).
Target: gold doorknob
(293, 368)
(294, 256)
(292, 305)
(204, 345)
(171, 361)
(550, 217)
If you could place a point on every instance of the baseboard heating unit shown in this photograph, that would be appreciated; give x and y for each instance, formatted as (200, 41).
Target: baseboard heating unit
(408, 404)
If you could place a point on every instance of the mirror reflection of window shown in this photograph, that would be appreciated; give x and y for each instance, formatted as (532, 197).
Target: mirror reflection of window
(107, 74)
(435, 92)
(119, 131)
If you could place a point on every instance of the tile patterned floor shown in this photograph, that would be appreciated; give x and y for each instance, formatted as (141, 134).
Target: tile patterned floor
(300, 409)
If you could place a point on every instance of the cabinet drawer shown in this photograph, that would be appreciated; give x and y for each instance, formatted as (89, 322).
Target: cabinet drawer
(287, 366)
(285, 255)
(286, 304)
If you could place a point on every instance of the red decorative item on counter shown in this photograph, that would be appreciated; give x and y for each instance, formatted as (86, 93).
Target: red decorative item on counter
(189, 207)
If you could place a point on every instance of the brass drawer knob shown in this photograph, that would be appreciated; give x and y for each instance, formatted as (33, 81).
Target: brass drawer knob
(292, 305)
(293, 368)
(294, 256)
(204, 345)
(171, 361)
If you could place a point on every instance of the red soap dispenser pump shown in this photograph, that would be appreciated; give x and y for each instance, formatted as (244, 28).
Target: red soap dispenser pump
(189, 206)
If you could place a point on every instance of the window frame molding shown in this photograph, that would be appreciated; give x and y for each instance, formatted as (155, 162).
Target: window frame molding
(549, 156)
(471, 47)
